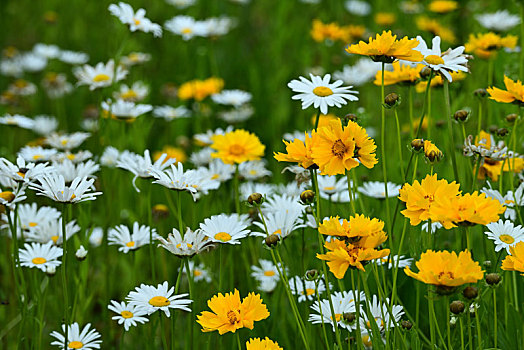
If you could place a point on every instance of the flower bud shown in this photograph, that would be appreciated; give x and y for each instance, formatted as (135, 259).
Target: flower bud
(349, 317)
(352, 117)
(511, 118)
(81, 253)
(255, 198)
(502, 132)
(417, 144)
(457, 307)
(312, 275)
(492, 129)
(480, 93)
(406, 324)
(392, 100)
(461, 115)
(493, 279)
(50, 270)
(425, 72)
(160, 211)
(453, 321)
(487, 263)
(307, 197)
(470, 292)
(272, 240)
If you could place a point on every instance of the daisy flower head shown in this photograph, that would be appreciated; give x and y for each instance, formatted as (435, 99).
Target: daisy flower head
(17, 120)
(177, 179)
(206, 139)
(515, 261)
(504, 234)
(135, 20)
(134, 58)
(11, 199)
(500, 21)
(22, 171)
(321, 93)
(281, 223)
(235, 98)
(358, 74)
(230, 314)
(199, 272)
(379, 311)
(266, 275)
(30, 216)
(127, 314)
(193, 242)
(334, 189)
(305, 289)
(102, 75)
(136, 92)
(358, 7)
(386, 48)
(51, 231)
(343, 303)
(131, 240)
(40, 256)
(391, 261)
(66, 141)
(86, 339)
(73, 57)
(53, 186)
(486, 45)
(124, 110)
(237, 115)
(225, 228)
(44, 124)
(151, 299)
(262, 344)
(56, 85)
(237, 146)
(514, 92)
(375, 189)
(185, 26)
(169, 113)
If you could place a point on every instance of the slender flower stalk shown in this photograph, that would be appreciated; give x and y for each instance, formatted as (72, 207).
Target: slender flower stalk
(450, 129)
(64, 274)
(383, 148)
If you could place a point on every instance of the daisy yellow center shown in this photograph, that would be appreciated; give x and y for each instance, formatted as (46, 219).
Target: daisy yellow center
(75, 345)
(338, 148)
(197, 273)
(366, 340)
(126, 314)
(101, 77)
(130, 244)
(310, 291)
(233, 317)
(269, 273)
(434, 59)
(223, 236)
(159, 301)
(33, 224)
(278, 232)
(187, 31)
(21, 84)
(21, 174)
(509, 201)
(64, 142)
(329, 188)
(379, 324)
(507, 239)
(215, 176)
(71, 156)
(252, 172)
(39, 261)
(322, 91)
(7, 196)
(337, 317)
(37, 157)
(137, 21)
(237, 150)
(54, 238)
(133, 57)
(130, 94)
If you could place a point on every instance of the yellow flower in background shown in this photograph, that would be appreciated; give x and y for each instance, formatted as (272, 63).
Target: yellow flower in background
(514, 92)
(385, 18)
(446, 269)
(386, 48)
(514, 261)
(434, 27)
(333, 31)
(431, 152)
(401, 73)
(262, 344)
(323, 120)
(298, 151)
(487, 44)
(437, 81)
(237, 146)
(442, 6)
(407, 127)
(172, 153)
(229, 313)
(493, 168)
(200, 89)
(420, 196)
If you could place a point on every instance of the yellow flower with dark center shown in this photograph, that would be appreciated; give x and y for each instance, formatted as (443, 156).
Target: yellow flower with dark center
(434, 27)
(297, 152)
(446, 269)
(172, 153)
(360, 230)
(386, 48)
(262, 344)
(487, 44)
(200, 89)
(515, 261)
(401, 73)
(514, 92)
(364, 145)
(229, 313)
(442, 6)
(385, 18)
(420, 196)
(237, 146)
(493, 169)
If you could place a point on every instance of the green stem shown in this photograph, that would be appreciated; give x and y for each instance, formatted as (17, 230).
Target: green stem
(351, 195)
(383, 148)
(448, 326)
(461, 334)
(317, 119)
(238, 341)
(495, 317)
(322, 317)
(479, 331)
(399, 140)
(450, 129)
(235, 185)
(64, 274)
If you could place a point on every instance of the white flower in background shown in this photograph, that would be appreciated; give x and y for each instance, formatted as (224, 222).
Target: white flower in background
(199, 272)
(510, 200)
(248, 188)
(297, 134)
(277, 203)
(305, 290)
(171, 113)
(266, 275)
(97, 236)
(47, 51)
(358, 7)
(81, 253)
(280, 223)
(452, 60)
(202, 157)
(500, 21)
(22, 87)
(135, 58)
(44, 124)
(127, 240)
(220, 171)
(53, 186)
(125, 110)
(235, 98)
(22, 171)
(224, 228)
(358, 74)
(151, 299)
(375, 189)
(136, 92)
(379, 311)
(253, 170)
(217, 26)
(181, 4)
(73, 57)
(102, 75)
(11, 198)
(17, 120)
(70, 171)
(237, 115)
(135, 20)
(11, 67)
(40, 256)
(56, 85)
(504, 234)
(86, 339)
(344, 302)
(51, 231)
(434, 226)
(334, 189)
(30, 216)
(32, 62)
(185, 26)
(66, 141)
(204, 180)
(176, 179)
(127, 315)
(110, 157)
(320, 93)
(192, 243)
(392, 260)
(77, 157)
(205, 139)
(142, 166)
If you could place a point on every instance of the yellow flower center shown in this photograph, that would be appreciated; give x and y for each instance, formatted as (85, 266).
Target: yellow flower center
(366, 340)
(21, 83)
(33, 224)
(379, 324)
(233, 316)
(338, 148)
(21, 174)
(509, 201)
(7, 196)
(130, 244)
(37, 157)
(159, 301)
(223, 236)
(310, 291)
(278, 232)
(197, 273)
(101, 77)
(215, 176)
(71, 156)
(237, 150)
(64, 142)
(126, 314)
(137, 21)
(337, 317)
(329, 188)
(187, 31)
(128, 95)
(54, 238)
(75, 345)
(269, 273)
(322, 91)
(38, 261)
(252, 172)
(434, 59)
(507, 239)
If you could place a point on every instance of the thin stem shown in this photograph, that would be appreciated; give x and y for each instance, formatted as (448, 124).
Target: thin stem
(448, 326)
(322, 317)
(399, 140)
(235, 186)
(383, 147)
(450, 129)
(479, 331)
(317, 119)
(351, 195)
(461, 334)
(238, 341)
(495, 317)
(64, 274)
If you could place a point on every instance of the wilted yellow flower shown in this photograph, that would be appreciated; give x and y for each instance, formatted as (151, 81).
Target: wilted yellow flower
(515, 261)
(237, 146)
(334, 32)
(431, 152)
(487, 44)
(493, 168)
(514, 92)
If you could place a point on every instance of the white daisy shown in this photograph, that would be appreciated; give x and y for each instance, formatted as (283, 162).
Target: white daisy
(266, 275)
(11, 199)
(176, 179)
(30, 216)
(17, 120)
(202, 157)
(500, 21)
(358, 74)
(22, 171)
(504, 234)
(291, 189)
(169, 113)
(220, 171)
(110, 157)
(56, 85)
(358, 7)
(280, 223)
(21, 87)
(186, 26)
(32, 62)
(51, 231)
(150, 299)
(66, 141)
(136, 92)
(181, 4)
(379, 311)
(81, 253)
(135, 58)
(253, 170)
(73, 57)
(135, 20)
(76, 339)
(248, 188)
(127, 315)
(344, 302)
(225, 228)
(434, 226)
(44, 124)
(392, 260)
(320, 93)
(204, 180)
(217, 26)
(305, 290)
(77, 157)
(47, 51)
(237, 115)
(297, 134)
(70, 171)
(40, 256)
(97, 237)
(36, 153)
(199, 272)
(334, 189)
(510, 200)
(281, 203)
(234, 98)
(53, 186)
(142, 166)
(100, 76)
(375, 189)
(127, 240)
(206, 138)
(125, 110)
(193, 242)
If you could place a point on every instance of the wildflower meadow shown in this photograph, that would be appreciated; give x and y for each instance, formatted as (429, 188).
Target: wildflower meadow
(261, 174)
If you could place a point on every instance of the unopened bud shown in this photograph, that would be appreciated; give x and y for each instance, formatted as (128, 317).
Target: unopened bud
(391, 99)
(349, 317)
(81, 253)
(312, 275)
(502, 132)
(493, 279)
(457, 307)
(352, 117)
(272, 240)
(406, 324)
(425, 72)
(480, 93)
(511, 118)
(160, 211)
(461, 115)
(50, 270)
(417, 144)
(307, 197)
(255, 198)
(470, 292)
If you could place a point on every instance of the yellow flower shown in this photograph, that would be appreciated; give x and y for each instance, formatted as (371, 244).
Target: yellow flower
(323, 120)
(200, 89)
(386, 48)
(328, 31)
(434, 27)
(446, 269)
(432, 152)
(487, 45)
(437, 81)
(385, 18)
(514, 92)
(515, 261)
(229, 314)
(172, 153)
(420, 196)
(469, 209)
(262, 344)
(361, 230)
(442, 6)
(237, 146)
(297, 152)
(407, 127)
(401, 73)
(493, 169)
